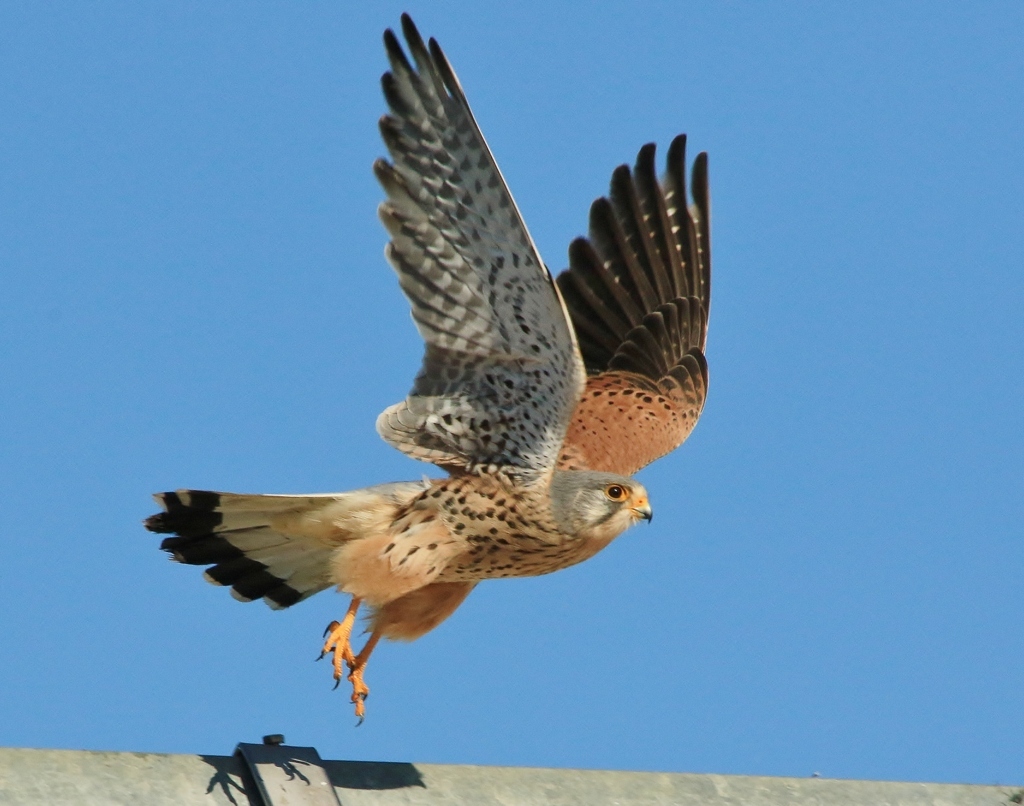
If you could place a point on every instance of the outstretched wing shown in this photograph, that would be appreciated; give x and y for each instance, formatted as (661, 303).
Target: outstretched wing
(502, 372)
(638, 291)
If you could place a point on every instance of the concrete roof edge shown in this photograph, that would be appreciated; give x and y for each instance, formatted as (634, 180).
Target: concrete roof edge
(81, 777)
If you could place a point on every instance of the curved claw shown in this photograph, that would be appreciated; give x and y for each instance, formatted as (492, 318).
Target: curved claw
(338, 636)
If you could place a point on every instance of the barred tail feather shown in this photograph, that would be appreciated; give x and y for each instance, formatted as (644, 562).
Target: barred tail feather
(234, 535)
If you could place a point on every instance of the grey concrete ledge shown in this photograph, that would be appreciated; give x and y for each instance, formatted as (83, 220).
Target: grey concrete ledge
(87, 778)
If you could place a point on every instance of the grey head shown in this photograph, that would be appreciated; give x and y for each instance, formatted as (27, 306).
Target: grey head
(585, 500)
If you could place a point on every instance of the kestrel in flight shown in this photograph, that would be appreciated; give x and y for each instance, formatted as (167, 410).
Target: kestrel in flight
(539, 397)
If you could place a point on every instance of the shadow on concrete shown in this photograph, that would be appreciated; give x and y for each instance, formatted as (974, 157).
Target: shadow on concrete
(373, 774)
(230, 780)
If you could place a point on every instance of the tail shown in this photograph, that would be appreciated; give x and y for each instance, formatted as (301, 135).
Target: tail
(274, 547)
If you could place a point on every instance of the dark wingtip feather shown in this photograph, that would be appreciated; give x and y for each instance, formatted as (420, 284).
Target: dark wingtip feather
(410, 31)
(699, 183)
(676, 160)
(444, 69)
(645, 158)
(699, 189)
(417, 48)
(393, 96)
(621, 180)
(382, 169)
(395, 51)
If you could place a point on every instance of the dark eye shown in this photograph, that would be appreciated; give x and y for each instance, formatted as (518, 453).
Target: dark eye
(616, 492)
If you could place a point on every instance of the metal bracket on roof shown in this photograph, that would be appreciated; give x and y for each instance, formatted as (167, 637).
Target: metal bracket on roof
(286, 775)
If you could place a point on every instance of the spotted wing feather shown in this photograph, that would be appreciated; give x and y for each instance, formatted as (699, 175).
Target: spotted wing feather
(638, 290)
(502, 372)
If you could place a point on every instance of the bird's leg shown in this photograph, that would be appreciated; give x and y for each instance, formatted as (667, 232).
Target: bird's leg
(360, 691)
(338, 634)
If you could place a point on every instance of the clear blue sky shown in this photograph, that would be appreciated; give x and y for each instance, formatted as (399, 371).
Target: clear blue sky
(194, 294)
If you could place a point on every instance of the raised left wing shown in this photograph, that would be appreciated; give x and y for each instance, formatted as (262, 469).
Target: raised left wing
(502, 372)
(639, 291)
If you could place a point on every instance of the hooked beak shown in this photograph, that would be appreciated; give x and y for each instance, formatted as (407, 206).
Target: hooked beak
(644, 511)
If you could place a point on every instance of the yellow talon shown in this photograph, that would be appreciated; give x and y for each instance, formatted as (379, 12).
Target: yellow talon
(360, 691)
(339, 634)
(339, 642)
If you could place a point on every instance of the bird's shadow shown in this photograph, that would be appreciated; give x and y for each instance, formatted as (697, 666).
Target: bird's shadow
(228, 778)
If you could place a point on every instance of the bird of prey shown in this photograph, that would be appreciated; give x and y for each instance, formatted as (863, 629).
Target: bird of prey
(538, 397)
